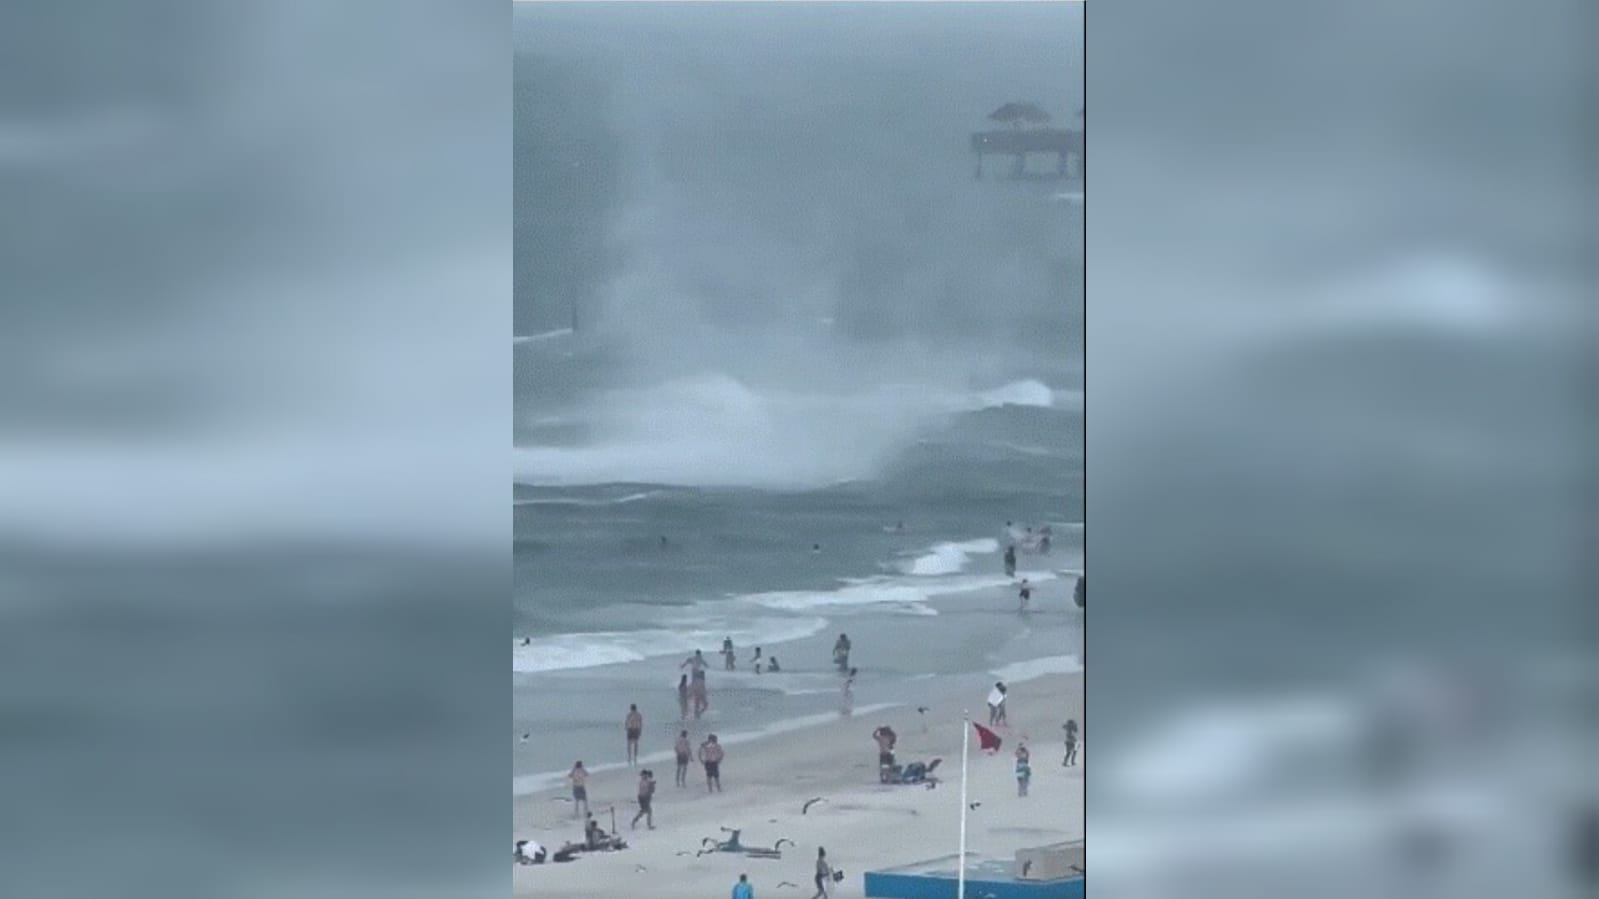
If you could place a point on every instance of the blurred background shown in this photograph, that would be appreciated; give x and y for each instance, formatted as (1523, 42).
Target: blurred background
(1340, 447)
(255, 415)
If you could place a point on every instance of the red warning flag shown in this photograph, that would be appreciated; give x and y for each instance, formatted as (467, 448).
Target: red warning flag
(986, 739)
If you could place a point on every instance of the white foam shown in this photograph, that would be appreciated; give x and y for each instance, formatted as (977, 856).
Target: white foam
(1222, 748)
(949, 558)
(1018, 393)
(591, 650)
(542, 336)
(589, 502)
(1033, 669)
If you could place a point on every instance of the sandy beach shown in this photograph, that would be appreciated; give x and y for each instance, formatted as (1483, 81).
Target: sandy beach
(863, 824)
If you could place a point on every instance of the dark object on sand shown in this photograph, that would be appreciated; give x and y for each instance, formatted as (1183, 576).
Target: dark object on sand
(914, 773)
(732, 844)
(838, 875)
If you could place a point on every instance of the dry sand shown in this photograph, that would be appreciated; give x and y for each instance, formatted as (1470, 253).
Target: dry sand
(863, 824)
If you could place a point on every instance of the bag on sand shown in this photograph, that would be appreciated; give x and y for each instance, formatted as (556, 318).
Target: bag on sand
(838, 875)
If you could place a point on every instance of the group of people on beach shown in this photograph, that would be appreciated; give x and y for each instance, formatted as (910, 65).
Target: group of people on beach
(693, 699)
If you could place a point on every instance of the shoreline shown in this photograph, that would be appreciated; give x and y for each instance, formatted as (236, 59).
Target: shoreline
(865, 825)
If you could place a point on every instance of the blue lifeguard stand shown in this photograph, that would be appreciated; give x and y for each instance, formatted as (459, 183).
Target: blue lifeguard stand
(989, 878)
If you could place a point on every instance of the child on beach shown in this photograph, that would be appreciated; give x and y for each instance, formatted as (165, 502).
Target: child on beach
(580, 790)
(727, 653)
(711, 756)
(1010, 560)
(682, 698)
(634, 727)
(742, 889)
(1024, 769)
(841, 652)
(1026, 594)
(886, 738)
(685, 753)
(1071, 743)
(756, 660)
(772, 668)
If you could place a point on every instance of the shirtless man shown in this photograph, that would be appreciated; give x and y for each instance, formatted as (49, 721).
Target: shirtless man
(646, 795)
(727, 654)
(711, 756)
(634, 727)
(579, 777)
(685, 754)
(697, 690)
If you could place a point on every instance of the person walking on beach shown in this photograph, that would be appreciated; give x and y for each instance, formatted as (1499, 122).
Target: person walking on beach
(1026, 594)
(824, 874)
(727, 653)
(742, 889)
(756, 660)
(682, 698)
(697, 690)
(701, 697)
(849, 692)
(634, 728)
(1010, 560)
(711, 756)
(579, 777)
(646, 795)
(1071, 743)
(841, 652)
(684, 750)
(1024, 768)
(996, 705)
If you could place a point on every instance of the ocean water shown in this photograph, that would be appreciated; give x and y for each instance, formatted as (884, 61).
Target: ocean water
(610, 612)
(755, 330)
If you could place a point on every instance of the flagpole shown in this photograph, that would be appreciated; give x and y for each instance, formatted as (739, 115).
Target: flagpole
(966, 737)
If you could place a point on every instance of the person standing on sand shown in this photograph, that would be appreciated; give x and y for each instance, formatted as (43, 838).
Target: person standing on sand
(1071, 743)
(742, 889)
(1010, 560)
(580, 789)
(824, 874)
(886, 738)
(682, 698)
(711, 756)
(1024, 768)
(1026, 594)
(646, 795)
(996, 705)
(685, 753)
(727, 653)
(634, 728)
